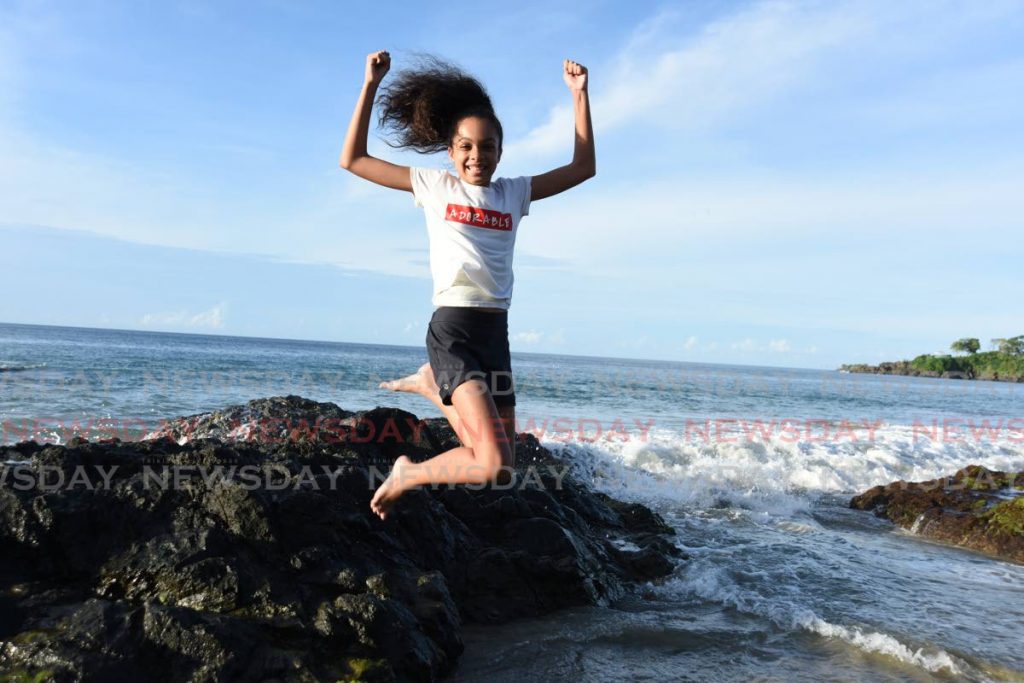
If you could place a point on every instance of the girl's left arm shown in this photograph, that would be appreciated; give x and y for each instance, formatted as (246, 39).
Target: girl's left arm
(584, 162)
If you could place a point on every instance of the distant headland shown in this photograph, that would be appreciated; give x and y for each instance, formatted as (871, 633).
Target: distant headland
(1004, 363)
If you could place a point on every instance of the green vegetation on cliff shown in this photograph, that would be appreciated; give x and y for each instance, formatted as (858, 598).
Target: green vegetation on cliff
(1006, 362)
(987, 365)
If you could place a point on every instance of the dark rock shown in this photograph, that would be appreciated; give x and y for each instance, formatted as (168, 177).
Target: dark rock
(975, 508)
(239, 545)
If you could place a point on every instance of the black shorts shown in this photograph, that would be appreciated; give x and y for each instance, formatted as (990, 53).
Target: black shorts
(463, 344)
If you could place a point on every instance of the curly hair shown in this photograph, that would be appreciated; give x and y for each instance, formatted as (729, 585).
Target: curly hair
(423, 105)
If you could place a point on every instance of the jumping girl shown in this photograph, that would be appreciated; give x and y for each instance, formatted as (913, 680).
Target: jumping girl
(472, 220)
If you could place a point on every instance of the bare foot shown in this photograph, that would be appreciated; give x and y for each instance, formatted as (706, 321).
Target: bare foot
(419, 382)
(389, 492)
(422, 382)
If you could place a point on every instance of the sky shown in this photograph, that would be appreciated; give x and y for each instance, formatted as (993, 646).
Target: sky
(798, 184)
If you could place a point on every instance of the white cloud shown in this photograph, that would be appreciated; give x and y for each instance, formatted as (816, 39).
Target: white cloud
(747, 345)
(528, 337)
(749, 56)
(641, 343)
(47, 183)
(534, 337)
(669, 77)
(667, 215)
(690, 344)
(212, 319)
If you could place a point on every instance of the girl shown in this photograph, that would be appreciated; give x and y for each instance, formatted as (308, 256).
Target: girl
(471, 223)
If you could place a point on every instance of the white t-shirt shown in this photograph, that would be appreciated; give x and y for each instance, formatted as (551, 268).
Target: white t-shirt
(472, 232)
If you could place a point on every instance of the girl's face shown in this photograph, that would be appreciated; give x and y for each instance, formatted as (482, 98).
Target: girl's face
(475, 150)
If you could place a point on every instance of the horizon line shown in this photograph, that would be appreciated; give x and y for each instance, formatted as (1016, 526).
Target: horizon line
(405, 346)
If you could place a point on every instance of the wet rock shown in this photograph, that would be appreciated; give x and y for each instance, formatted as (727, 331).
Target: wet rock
(976, 508)
(239, 545)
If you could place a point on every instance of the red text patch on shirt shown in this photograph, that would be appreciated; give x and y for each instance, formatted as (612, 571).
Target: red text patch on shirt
(477, 217)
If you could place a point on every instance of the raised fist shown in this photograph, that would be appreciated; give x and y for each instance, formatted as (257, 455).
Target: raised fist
(575, 75)
(377, 64)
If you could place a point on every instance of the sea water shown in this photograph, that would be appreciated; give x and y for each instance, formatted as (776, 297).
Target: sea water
(753, 466)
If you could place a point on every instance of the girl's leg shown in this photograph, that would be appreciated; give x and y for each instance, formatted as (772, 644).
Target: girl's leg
(480, 464)
(422, 382)
(508, 420)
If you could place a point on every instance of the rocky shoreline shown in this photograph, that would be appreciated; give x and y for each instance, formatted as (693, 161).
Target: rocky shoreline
(905, 368)
(239, 545)
(976, 508)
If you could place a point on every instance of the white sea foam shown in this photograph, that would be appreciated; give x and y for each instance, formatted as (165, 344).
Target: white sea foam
(935, 660)
(773, 481)
(713, 583)
(778, 475)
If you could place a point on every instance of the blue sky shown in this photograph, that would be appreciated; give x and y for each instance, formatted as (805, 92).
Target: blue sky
(779, 183)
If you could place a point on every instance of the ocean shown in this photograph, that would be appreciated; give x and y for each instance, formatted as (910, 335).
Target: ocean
(753, 466)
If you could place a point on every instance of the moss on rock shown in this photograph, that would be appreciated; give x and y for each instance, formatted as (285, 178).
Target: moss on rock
(27, 676)
(1007, 518)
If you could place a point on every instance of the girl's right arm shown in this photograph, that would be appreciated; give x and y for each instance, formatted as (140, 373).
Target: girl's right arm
(354, 156)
